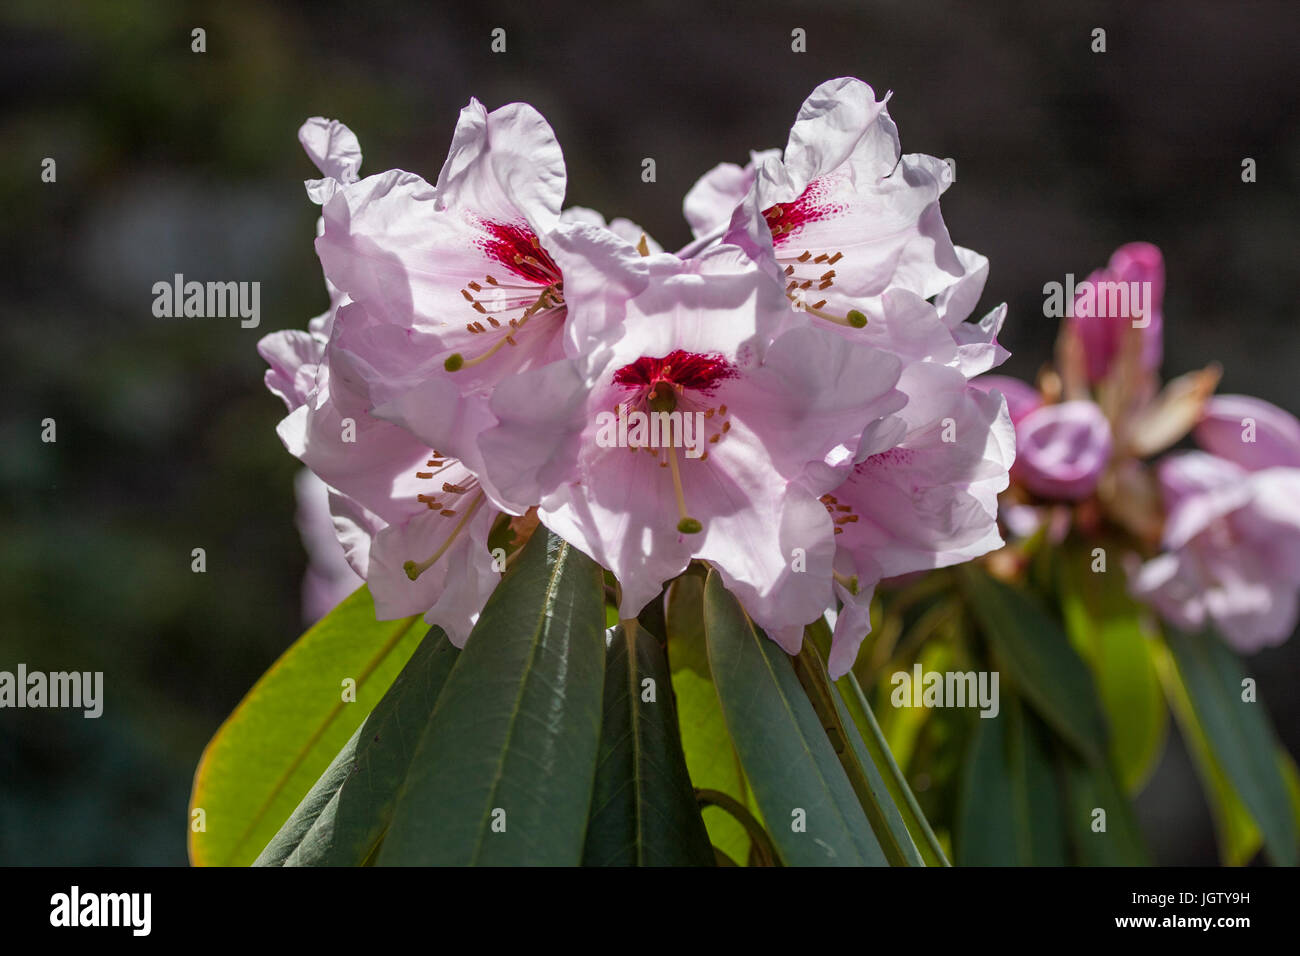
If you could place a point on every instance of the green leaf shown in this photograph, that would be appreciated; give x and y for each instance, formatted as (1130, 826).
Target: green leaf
(877, 749)
(874, 797)
(1238, 737)
(504, 770)
(710, 756)
(1091, 788)
(1292, 777)
(1010, 811)
(1238, 836)
(1105, 626)
(344, 816)
(265, 757)
(1037, 655)
(813, 814)
(904, 727)
(643, 809)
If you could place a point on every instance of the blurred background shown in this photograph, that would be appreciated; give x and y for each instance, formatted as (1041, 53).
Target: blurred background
(173, 161)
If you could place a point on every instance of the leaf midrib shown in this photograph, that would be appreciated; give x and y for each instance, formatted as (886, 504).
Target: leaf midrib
(548, 603)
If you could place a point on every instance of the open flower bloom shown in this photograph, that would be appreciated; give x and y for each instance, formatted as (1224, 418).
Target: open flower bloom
(399, 506)
(1062, 450)
(413, 523)
(705, 431)
(852, 230)
(928, 499)
(1232, 559)
(1128, 292)
(841, 216)
(471, 281)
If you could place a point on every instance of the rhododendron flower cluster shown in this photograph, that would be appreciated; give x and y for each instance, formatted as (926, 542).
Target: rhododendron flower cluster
(792, 389)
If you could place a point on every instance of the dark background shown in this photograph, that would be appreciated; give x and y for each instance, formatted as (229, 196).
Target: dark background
(171, 161)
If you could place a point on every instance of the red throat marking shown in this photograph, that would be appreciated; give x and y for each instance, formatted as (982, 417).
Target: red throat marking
(516, 247)
(811, 206)
(686, 370)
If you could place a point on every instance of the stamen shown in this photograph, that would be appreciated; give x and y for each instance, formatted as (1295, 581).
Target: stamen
(853, 320)
(850, 583)
(548, 299)
(414, 570)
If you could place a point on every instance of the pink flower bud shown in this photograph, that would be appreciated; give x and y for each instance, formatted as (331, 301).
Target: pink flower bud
(1062, 450)
(1129, 291)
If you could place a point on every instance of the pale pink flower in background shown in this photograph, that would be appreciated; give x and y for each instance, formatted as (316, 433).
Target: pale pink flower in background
(1062, 450)
(1232, 559)
(775, 415)
(1249, 431)
(1140, 266)
(329, 578)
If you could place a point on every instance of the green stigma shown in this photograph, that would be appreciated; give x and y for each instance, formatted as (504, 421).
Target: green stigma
(857, 319)
(455, 360)
(689, 526)
(663, 398)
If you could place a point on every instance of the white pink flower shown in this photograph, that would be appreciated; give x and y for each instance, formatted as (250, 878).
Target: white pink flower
(1232, 529)
(779, 409)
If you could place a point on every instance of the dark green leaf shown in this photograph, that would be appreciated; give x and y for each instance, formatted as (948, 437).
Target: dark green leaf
(504, 770)
(1010, 810)
(885, 819)
(343, 817)
(1100, 822)
(710, 757)
(877, 749)
(1037, 655)
(643, 809)
(1106, 627)
(1239, 736)
(811, 809)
